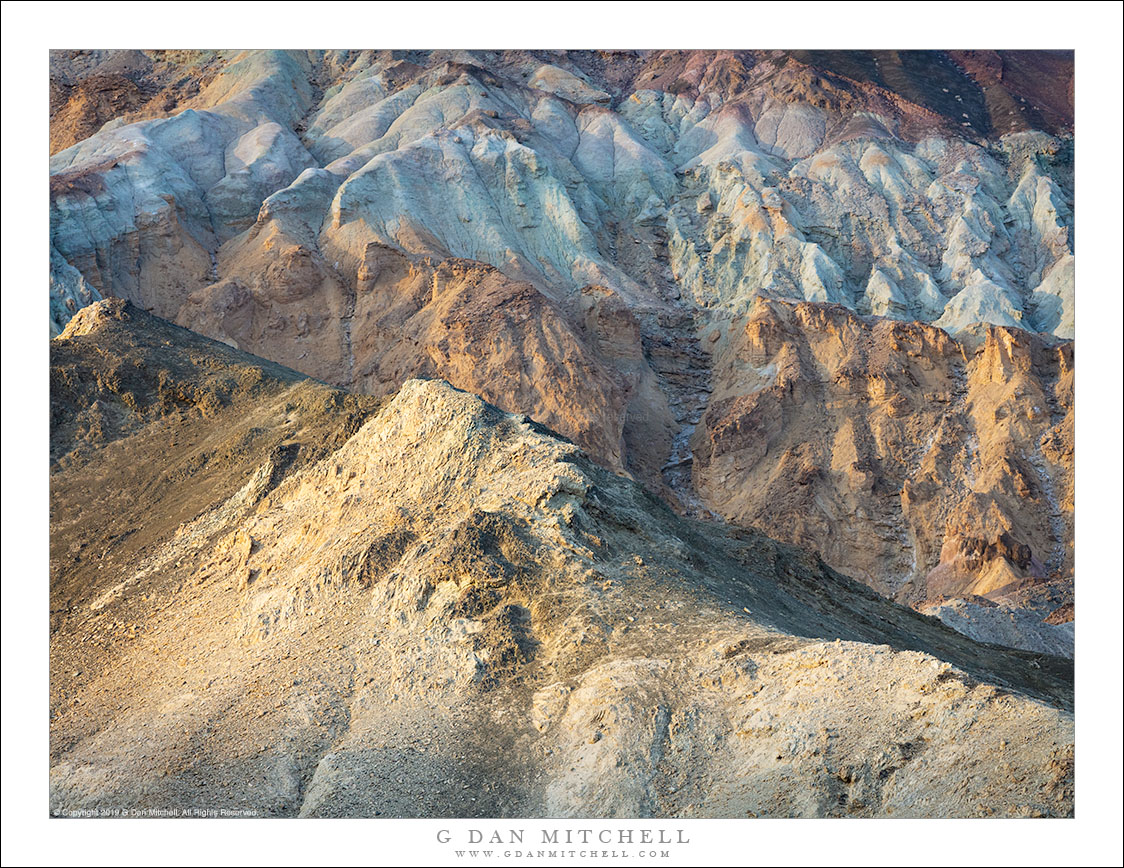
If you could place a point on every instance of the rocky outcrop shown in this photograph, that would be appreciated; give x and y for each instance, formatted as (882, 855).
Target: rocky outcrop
(460, 320)
(926, 465)
(318, 606)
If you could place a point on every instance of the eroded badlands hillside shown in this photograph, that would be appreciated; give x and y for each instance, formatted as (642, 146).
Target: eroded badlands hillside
(687, 262)
(268, 594)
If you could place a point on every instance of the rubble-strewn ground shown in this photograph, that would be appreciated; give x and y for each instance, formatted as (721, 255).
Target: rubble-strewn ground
(273, 595)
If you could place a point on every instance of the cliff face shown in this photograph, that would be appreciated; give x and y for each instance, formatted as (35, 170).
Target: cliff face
(621, 244)
(314, 603)
(923, 464)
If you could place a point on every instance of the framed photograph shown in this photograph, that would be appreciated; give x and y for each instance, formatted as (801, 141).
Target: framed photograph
(552, 454)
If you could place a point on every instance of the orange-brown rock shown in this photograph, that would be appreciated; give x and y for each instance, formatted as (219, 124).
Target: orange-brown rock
(923, 464)
(280, 300)
(467, 323)
(459, 320)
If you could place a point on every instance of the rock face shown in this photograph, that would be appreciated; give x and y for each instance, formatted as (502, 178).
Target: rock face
(926, 465)
(584, 236)
(326, 605)
(461, 320)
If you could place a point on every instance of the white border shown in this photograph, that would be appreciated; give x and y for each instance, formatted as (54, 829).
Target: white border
(1093, 29)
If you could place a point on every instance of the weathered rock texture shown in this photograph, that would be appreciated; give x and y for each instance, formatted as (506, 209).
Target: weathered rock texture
(574, 235)
(923, 464)
(327, 606)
